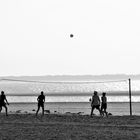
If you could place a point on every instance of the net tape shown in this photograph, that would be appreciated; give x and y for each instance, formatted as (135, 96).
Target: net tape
(65, 82)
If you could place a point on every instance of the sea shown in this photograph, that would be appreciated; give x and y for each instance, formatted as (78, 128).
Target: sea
(72, 97)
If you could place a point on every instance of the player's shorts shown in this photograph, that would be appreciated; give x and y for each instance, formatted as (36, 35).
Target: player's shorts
(2, 104)
(96, 106)
(41, 104)
(104, 106)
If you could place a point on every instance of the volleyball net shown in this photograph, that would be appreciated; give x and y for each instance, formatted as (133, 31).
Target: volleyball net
(113, 87)
(118, 91)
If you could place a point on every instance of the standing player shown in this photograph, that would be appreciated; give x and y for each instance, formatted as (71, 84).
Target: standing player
(95, 103)
(3, 103)
(104, 104)
(41, 100)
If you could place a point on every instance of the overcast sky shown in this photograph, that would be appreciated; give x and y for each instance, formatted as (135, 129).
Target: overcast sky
(35, 37)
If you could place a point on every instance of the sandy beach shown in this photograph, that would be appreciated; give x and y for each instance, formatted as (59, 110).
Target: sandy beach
(68, 127)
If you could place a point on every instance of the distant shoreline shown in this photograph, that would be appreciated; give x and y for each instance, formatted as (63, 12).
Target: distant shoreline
(76, 77)
(66, 102)
(134, 93)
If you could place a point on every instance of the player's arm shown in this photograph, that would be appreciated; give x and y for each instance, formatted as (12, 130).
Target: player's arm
(106, 99)
(44, 98)
(38, 98)
(6, 101)
(102, 99)
(99, 100)
(92, 100)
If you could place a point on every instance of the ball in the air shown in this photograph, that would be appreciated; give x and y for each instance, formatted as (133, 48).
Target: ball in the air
(71, 35)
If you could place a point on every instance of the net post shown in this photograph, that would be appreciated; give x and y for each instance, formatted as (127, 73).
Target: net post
(130, 102)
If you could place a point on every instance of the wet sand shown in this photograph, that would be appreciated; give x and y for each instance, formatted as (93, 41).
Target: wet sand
(68, 127)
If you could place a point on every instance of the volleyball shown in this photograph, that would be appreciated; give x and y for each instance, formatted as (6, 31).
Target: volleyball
(71, 35)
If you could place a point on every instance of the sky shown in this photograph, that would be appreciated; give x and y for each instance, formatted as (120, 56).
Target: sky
(35, 37)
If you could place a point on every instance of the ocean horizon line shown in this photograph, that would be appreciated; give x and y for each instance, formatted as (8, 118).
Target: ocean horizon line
(133, 93)
(121, 102)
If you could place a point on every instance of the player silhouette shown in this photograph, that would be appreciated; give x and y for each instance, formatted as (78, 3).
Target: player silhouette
(41, 100)
(3, 103)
